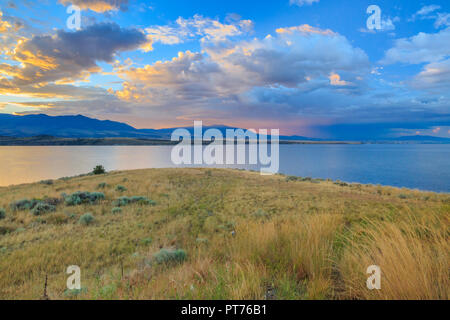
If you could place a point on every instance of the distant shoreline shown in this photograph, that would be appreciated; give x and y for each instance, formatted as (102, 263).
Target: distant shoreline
(117, 141)
(54, 141)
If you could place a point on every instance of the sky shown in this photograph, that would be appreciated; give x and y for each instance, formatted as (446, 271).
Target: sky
(318, 68)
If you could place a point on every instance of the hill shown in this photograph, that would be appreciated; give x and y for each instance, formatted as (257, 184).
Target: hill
(221, 234)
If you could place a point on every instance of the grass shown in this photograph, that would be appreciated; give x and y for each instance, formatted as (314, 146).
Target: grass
(228, 234)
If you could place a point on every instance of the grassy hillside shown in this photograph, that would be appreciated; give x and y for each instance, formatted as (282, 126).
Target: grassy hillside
(222, 234)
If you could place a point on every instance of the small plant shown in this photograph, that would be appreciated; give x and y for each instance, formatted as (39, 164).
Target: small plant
(23, 204)
(124, 201)
(291, 178)
(102, 185)
(2, 214)
(121, 188)
(116, 210)
(79, 197)
(99, 170)
(146, 241)
(42, 208)
(86, 219)
(47, 182)
(170, 256)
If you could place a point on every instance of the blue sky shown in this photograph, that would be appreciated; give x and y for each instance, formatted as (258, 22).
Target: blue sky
(307, 67)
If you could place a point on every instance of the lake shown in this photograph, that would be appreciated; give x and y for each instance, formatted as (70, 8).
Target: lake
(416, 166)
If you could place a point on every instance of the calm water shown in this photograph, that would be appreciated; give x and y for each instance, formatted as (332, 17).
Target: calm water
(425, 167)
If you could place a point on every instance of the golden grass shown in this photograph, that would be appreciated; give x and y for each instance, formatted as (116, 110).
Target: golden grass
(247, 237)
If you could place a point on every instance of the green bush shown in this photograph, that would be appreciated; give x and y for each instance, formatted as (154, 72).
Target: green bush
(170, 256)
(146, 241)
(79, 197)
(116, 210)
(102, 185)
(2, 214)
(23, 204)
(47, 182)
(99, 170)
(86, 219)
(124, 201)
(121, 188)
(42, 208)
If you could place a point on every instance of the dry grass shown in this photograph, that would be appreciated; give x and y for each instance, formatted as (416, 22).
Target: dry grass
(246, 236)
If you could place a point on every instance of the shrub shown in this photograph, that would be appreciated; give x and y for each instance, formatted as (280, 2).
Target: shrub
(291, 178)
(47, 182)
(52, 201)
(121, 188)
(42, 208)
(170, 256)
(86, 219)
(116, 210)
(2, 213)
(146, 241)
(102, 185)
(23, 204)
(79, 197)
(124, 201)
(99, 170)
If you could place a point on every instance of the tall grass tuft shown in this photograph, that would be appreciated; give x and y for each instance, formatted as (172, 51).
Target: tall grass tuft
(413, 256)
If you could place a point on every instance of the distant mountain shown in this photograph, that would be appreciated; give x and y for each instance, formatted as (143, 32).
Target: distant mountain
(78, 126)
(84, 127)
(66, 126)
(420, 138)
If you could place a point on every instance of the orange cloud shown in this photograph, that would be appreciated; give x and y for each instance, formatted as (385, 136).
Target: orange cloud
(335, 80)
(306, 29)
(98, 6)
(4, 25)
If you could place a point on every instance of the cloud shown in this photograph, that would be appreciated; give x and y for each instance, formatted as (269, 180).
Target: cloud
(291, 59)
(442, 20)
(305, 29)
(335, 80)
(425, 10)
(435, 76)
(4, 25)
(423, 47)
(302, 2)
(206, 29)
(67, 56)
(98, 6)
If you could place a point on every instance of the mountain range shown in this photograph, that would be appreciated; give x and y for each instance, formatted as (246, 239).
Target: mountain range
(78, 126)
